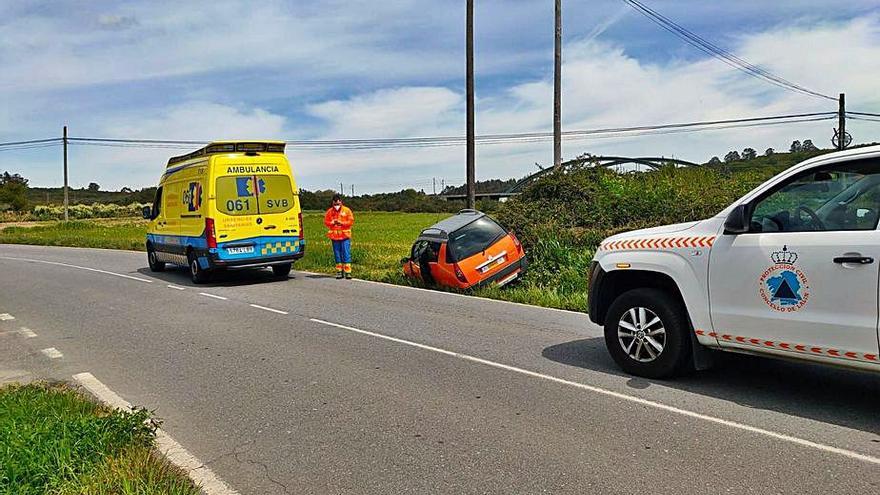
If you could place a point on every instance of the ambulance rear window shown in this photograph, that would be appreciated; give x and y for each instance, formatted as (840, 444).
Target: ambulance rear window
(254, 194)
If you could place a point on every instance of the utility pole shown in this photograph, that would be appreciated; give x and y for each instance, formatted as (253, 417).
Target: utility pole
(557, 89)
(352, 190)
(469, 83)
(841, 122)
(66, 200)
(434, 185)
(341, 189)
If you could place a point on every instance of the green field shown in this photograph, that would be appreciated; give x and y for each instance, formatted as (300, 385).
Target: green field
(380, 240)
(54, 440)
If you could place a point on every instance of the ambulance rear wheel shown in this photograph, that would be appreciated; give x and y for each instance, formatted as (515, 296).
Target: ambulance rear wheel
(198, 275)
(647, 332)
(282, 271)
(153, 260)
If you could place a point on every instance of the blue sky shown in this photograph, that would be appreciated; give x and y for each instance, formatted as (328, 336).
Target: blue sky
(365, 69)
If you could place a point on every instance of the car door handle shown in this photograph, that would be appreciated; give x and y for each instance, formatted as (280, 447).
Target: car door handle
(858, 260)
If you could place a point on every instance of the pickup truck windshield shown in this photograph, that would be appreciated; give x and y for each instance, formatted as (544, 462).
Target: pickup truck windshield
(254, 194)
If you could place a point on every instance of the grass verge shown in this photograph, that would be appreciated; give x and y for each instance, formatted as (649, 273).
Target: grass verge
(55, 440)
(380, 240)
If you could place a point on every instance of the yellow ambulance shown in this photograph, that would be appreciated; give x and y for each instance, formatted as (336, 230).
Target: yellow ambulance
(231, 204)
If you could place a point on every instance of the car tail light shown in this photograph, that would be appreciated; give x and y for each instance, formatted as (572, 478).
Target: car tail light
(459, 274)
(519, 247)
(301, 231)
(210, 233)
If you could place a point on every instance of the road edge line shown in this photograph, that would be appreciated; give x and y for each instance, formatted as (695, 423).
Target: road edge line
(207, 481)
(621, 396)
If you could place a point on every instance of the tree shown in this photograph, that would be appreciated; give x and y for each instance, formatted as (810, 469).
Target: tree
(769, 152)
(13, 191)
(796, 146)
(715, 161)
(749, 154)
(126, 190)
(94, 187)
(808, 145)
(731, 156)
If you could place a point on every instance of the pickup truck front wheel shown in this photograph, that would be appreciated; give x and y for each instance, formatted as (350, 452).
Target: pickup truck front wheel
(646, 332)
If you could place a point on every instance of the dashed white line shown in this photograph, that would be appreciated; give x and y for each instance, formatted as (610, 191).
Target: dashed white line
(27, 332)
(210, 483)
(213, 295)
(264, 308)
(176, 287)
(105, 272)
(617, 395)
(6, 317)
(52, 353)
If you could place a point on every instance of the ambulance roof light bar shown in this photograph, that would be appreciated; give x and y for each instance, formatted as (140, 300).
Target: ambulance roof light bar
(231, 147)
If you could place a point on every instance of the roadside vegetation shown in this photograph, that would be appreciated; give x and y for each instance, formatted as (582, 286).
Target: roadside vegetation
(55, 440)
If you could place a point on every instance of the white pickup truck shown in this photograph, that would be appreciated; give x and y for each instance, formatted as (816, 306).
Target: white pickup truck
(789, 270)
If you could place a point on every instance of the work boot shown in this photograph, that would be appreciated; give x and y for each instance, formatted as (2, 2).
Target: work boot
(347, 275)
(339, 275)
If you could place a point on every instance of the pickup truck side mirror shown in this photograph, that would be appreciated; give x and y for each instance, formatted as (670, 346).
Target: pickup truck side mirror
(148, 213)
(738, 221)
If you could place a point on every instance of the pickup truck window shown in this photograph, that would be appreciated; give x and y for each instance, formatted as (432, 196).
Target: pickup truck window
(835, 198)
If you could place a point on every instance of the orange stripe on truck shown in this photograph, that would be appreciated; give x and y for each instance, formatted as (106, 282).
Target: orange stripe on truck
(658, 243)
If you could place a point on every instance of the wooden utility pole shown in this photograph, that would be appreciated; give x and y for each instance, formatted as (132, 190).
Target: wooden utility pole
(557, 89)
(66, 200)
(471, 175)
(841, 122)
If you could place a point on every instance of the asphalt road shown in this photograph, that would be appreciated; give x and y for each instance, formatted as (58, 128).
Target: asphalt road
(369, 388)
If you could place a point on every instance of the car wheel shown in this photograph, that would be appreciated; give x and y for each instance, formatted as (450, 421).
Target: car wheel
(196, 272)
(153, 260)
(646, 332)
(282, 271)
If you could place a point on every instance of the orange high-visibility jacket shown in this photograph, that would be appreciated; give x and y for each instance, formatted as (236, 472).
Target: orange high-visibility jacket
(341, 230)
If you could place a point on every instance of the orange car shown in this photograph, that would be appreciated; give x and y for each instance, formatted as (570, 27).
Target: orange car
(466, 250)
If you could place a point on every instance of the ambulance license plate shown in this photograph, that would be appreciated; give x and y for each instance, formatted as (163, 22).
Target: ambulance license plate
(240, 250)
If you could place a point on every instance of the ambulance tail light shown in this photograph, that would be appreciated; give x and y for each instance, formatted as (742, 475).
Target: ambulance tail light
(210, 233)
(302, 233)
(459, 274)
(518, 244)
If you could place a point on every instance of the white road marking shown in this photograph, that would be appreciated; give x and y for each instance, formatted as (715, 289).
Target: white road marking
(6, 317)
(213, 295)
(210, 483)
(105, 272)
(269, 309)
(617, 395)
(52, 353)
(175, 287)
(26, 332)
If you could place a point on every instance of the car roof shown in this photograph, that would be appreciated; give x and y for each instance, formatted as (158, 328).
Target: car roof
(440, 231)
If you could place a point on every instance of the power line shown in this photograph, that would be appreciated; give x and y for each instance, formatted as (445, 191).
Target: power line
(864, 113)
(446, 141)
(720, 53)
(32, 141)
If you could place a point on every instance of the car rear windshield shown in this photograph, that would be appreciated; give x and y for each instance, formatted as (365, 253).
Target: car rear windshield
(473, 238)
(254, 194)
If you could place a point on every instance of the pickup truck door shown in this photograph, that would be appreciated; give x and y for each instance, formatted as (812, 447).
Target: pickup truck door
(805, 277)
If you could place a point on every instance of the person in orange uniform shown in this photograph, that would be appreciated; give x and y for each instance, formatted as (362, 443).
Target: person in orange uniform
(339, 220)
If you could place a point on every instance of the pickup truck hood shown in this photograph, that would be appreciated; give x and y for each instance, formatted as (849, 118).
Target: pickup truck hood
(664, 229)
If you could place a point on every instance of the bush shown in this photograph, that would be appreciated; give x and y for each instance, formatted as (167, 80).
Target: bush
(563, 216)
(95, 210)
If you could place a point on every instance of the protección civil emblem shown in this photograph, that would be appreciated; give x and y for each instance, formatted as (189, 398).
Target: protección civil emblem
(783, 286)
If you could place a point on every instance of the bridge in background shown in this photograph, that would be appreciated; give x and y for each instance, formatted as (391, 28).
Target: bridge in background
(652, 163)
